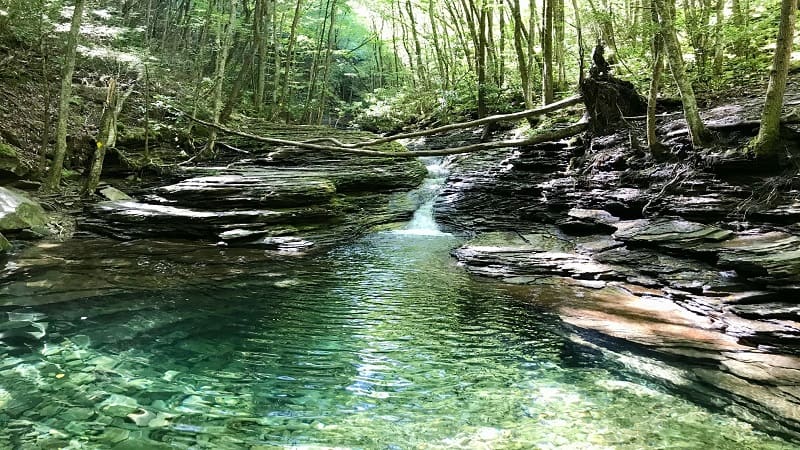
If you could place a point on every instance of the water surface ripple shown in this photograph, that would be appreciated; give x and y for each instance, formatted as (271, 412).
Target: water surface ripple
(382, 344)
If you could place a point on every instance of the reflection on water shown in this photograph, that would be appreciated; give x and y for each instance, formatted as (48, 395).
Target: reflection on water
(381, 344)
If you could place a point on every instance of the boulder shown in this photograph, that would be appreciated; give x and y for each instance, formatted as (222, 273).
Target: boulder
(18, 211)
(114, 194)
(10, 162)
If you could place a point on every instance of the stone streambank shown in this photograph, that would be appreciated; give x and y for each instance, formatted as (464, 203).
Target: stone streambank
(687, 271)
(276, 198)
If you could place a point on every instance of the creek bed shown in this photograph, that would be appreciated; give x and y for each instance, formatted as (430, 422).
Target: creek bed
(384, 343)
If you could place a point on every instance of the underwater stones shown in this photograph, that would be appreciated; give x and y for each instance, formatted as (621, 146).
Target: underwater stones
(117, 405)
(161, 420)
(142, 417)
(101, 363)
(18, 211)
(113, 435)
(76, 414)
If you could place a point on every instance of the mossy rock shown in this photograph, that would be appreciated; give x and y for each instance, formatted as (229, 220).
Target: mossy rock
(18, 211)
(5, 246)
(11, 162)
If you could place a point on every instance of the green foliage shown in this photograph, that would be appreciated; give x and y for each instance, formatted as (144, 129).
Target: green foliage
(24, 22)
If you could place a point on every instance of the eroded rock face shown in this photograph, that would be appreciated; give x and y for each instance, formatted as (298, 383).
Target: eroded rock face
(675, 274)
(276, 198)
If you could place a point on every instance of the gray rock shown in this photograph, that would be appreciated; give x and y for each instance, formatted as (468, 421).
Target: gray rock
(118, 405)
(114, 194)
(18, 211)
(10, 162)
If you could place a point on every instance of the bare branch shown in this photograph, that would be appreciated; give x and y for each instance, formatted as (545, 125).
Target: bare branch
(546, 136)
(561, 104)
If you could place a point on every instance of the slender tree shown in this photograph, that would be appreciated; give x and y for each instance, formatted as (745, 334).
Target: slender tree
(697, 129)
(767, 142)
(224, 42)
(547, 53)
(54, 176)
(657, 50)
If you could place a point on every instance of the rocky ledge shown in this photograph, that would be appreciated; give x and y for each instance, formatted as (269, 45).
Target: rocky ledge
(686, 271)
(276, 198)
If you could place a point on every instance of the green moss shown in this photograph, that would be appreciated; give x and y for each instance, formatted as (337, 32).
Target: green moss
(67, 174)
(5, 246)
(8, 151)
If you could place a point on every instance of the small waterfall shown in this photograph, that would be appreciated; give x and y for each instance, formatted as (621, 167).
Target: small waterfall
(422, 223)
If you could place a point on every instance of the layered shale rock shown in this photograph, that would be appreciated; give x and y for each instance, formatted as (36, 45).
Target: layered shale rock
(277, 198)
(690, 276)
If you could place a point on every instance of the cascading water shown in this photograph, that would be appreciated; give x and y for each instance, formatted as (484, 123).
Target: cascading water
(423, 223)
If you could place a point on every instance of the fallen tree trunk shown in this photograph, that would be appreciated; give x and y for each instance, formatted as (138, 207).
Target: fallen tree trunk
(550, 135)
(561, 104)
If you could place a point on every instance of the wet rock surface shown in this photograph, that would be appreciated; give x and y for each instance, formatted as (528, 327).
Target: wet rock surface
(687, 271)
(277, 198)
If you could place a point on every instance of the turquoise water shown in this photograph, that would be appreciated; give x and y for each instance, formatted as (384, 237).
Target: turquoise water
(383, 344)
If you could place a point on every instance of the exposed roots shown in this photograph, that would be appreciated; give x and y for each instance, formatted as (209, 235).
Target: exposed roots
(770, 193)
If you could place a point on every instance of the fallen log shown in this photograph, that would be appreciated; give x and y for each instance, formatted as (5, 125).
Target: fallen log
(561, 104)
(546, 136)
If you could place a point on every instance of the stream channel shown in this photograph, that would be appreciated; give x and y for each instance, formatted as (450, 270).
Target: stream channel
(381, 344)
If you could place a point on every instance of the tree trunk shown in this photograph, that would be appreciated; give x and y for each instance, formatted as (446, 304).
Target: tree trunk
(224, 39)
(522, 62)
(54, 177)
(480, 63)
(697, 130)
(547, 53)
(260, 48)
(45, 140)
(719, 39)
(287, 67)
(657, 49)
(423, 76)
(326, 70)
(768, 139)
(236, 90)
(559, 45)
(106, 139)
(312, 76)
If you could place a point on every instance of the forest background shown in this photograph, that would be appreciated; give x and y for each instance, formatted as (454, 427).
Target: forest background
(381, 66)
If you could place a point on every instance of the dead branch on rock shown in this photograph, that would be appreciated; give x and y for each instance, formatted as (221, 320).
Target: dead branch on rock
(561, 104)
(550, 135)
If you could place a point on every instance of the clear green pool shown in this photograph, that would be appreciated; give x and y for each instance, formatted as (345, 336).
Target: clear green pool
(383, 344)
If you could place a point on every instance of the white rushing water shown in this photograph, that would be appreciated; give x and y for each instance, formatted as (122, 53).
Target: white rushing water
(423, 223)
